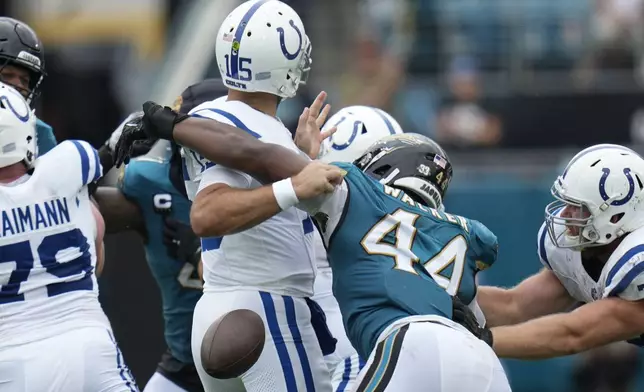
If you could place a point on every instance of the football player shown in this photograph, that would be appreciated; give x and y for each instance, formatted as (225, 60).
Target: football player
(22, 66)
(385, 244)
(150, 198)
(592, 248)
(252, 259)
(55, 336)
(358, 127)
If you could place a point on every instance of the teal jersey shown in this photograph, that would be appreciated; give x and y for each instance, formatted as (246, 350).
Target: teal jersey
(393, 258)
(146, 181)
(44, 137)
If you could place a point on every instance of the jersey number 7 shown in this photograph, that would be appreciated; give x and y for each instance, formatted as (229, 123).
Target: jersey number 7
(73, 275)
(401, 224)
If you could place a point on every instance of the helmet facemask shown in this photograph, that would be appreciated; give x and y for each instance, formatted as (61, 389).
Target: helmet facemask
(577, 224)
(300, 75)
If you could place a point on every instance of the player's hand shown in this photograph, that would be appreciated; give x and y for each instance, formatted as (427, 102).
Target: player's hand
(315, 179)
(159, 121)
(463, 315)
(308, 136)
(116, 134)
(132, 141)
(182, 244)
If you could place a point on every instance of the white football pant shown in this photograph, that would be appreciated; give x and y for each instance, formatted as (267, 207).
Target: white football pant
(291, 361)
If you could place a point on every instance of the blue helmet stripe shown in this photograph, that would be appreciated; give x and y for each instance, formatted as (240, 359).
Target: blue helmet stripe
(382, 115)
(596, 148)
(239, 33)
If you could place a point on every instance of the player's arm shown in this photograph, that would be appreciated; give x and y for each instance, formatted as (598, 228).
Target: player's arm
(215, 140)
(222, 205)
(592, 325)
(100, 234)
(539, 295)
(220, 209)
(120, 213)
(231, 147)
(618, 316)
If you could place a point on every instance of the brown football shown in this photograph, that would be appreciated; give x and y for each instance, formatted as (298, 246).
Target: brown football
(232, 344)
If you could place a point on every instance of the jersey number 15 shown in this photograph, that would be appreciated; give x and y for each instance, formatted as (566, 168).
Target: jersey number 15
(401, 224)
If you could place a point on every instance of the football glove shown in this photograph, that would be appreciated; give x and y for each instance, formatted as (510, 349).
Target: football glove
(182, 244)
(141, 132)
(463, 315)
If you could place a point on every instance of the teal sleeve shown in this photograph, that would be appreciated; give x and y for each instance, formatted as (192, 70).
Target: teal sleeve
(125, 182)
(45, 137)
(484, 243)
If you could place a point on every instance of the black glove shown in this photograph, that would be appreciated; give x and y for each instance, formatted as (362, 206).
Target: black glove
(132, 141)
(638, 341)
(463, 315)
(182, 244)
(140, 133)
(159, 121)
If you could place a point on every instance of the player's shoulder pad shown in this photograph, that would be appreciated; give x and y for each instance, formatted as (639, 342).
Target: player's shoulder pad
(345, 167)
(232, 113)
(45, 137)
(624, 271)
(76, 159)
(136, 175)
(544, 246)
(483, 243)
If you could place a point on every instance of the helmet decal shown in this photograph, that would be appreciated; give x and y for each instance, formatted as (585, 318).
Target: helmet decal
(602, 187)
(7, 103)
(354, 133)
(235, 60)
(287, 54)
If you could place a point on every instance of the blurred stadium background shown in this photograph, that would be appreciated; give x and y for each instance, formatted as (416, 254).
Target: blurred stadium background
(512, 88)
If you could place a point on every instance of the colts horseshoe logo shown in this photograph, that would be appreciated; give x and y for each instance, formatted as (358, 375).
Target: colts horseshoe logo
(7, 103)
(631, 187)
(285, 51)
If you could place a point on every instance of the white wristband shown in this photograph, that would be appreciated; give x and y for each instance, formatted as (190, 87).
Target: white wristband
(285, 194)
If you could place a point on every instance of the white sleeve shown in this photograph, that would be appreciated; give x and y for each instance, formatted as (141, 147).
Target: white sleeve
(327, 209)
(222, 175)
(73, 162)
(625, 279)
(201, 172)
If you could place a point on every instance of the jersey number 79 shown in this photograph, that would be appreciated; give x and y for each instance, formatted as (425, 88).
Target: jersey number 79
(401, 224)
(73, 275)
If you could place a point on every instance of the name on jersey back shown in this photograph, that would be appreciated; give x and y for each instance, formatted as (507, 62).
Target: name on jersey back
(34, 217)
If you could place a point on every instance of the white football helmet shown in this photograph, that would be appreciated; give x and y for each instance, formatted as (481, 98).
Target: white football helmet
(599, 197)
(262, 47)
(17, 129)
(358, 128)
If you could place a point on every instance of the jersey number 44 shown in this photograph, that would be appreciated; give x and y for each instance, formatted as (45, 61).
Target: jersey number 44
(401, 224)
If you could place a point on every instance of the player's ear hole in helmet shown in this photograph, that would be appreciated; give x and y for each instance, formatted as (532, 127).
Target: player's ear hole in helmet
(411, 162)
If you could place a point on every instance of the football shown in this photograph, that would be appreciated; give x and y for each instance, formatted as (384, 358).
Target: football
(232, 344)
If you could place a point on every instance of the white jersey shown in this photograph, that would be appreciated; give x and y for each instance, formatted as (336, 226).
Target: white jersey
(622, 275)
(47, 248)
(278, 254)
